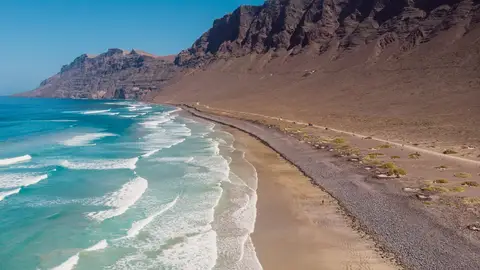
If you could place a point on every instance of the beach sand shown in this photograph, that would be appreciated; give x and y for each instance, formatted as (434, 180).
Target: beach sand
(298, 225)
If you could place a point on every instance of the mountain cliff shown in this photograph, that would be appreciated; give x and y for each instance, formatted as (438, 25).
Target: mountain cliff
(114, 74)
(337, 26)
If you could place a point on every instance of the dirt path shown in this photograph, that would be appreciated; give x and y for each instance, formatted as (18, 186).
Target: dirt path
(409, 147)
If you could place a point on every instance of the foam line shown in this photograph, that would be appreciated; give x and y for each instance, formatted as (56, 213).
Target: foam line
(137, 226)
(121, 200)
(10, 161)
(5, 194)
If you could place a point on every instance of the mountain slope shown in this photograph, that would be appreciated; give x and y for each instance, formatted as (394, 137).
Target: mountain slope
(114, 74)
(405, 70)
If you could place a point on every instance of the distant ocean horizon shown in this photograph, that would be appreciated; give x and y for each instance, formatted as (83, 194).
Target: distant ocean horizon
(111, 184)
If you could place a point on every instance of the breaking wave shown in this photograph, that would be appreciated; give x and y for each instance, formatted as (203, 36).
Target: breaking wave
(110, 164)
(10, 161)
(121, 200)
(86, 139)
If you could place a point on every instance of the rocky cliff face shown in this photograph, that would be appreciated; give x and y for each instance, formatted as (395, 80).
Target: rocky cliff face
(336, 25)
(115, 74)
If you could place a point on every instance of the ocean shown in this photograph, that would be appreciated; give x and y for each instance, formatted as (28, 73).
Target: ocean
(88, 184)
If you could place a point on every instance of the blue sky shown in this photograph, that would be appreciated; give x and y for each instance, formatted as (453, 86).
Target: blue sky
(37, 37)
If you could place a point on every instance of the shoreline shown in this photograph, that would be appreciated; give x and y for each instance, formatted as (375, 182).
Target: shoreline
(399, 226)
(298, 226)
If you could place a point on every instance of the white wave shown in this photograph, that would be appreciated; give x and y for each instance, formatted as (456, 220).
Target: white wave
(154, 140)
(109, 164)
(99, 246)
(73, 261)
(110, 113)
(60, 121)
(16, 180)
(5, 194)
(130, 116)
(150, 153)
(10, 161)
(155, 123)
(137, 226)
(68, 264)
(174, 159)
(121, 200)
(138, 108)
(86, 139)
(96, 112)
(124, 103)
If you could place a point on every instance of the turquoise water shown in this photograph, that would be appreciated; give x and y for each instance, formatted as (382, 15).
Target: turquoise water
(120, 185)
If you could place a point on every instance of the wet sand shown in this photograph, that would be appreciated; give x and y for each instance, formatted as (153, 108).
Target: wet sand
(299, 226)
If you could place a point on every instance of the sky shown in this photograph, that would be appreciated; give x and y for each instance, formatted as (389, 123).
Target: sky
(38, 37)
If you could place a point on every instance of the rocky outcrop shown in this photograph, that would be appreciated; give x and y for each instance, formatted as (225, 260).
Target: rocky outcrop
(114, 74)
(339, 26)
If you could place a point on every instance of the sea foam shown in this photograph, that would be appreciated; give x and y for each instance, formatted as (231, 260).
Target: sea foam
(137, 226)
(15, 180)
(73, 261)
(86, 139)
(120, 201)
(5, 194)
(10, 161)
(96, 112)
(107, 164)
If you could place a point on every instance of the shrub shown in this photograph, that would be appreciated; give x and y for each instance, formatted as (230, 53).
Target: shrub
(374, 155)
(457, 189)
(462, 175)
(395, 157)
(449, 152)
(415, 155)
(435, 189)
(384, 146)
(389, 165)
(338, 140)
(441, 181)
(470, 184)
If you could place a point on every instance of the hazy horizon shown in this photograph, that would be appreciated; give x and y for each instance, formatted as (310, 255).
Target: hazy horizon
(41, 37)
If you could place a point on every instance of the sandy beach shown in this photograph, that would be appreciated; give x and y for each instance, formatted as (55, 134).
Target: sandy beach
(298, 225)
(399, 223)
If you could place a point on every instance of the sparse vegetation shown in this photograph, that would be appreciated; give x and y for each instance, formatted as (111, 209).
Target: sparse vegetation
(471, 201)
(435, 189)
(449, 152)
(457, 189)
(470, 184)
(338, 140)
(388, 165)
(415, 155)
(398, 172)
(395, 157)
(441, 181)
(384, 146)
(371, 161)
(393, 169)
(462, 175)
(374, 155)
